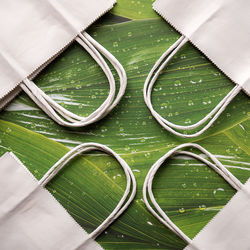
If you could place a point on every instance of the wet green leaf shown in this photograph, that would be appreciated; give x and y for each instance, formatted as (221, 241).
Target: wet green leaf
(90, 186)
(134, 9)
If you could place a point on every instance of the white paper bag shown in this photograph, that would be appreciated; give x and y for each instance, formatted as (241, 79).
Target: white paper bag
(229, 229)
(31, 218)
(34, 32)
(220, 29)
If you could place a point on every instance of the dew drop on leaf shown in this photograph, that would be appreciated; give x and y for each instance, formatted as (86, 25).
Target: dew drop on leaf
(182, 210)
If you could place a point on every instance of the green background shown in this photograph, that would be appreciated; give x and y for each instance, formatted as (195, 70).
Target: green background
(90, 186)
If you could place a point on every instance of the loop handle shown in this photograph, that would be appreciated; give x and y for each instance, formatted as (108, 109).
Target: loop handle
(147, 186)
(66, 118)
(171, 127)
(129, 192)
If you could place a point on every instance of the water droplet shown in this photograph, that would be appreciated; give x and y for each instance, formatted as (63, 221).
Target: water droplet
(129, 34)
(218, 191)
(177, 83)
(115, 44)
(202, 207)
(187, 121)
(136, 170)
(104, 129)
(142, 140)
(206, 101)
(120, 236)
(182, 210)
(8, 130)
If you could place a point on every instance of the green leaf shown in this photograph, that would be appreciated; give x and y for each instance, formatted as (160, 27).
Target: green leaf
(186, 91)
(134, 9)
(89, 188)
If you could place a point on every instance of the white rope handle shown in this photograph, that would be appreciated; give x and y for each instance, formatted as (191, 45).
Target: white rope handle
(129, 192)
(147, 186)
(171, 127)
(66, 118)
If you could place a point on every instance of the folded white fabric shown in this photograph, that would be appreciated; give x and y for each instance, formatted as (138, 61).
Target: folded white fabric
(228, 230)
(31, 218)
(220, 29)
(33, 33)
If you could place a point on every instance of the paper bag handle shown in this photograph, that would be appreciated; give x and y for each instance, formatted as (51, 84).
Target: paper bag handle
(129, 192)
(147, 187)
(171, 127)
(66, 118)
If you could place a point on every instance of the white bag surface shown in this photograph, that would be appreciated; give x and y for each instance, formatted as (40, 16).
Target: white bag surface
(33, 32)
(30, 217)
(219, 28)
